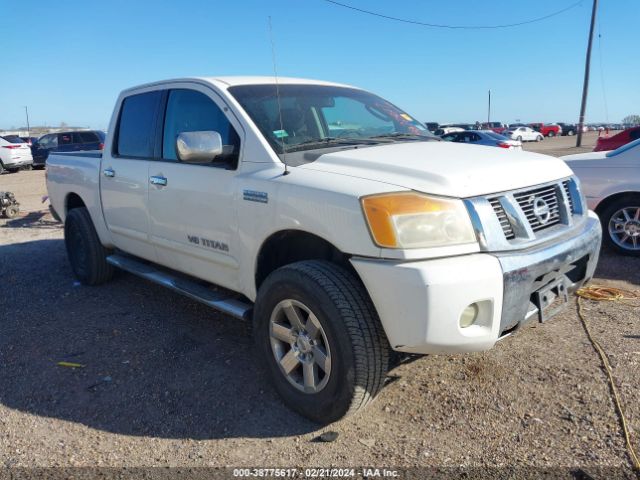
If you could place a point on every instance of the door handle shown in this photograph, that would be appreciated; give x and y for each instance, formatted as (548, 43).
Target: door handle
(109, 172)
(157, 180)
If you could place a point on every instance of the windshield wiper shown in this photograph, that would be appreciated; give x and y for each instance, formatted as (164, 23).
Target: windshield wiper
(402, 135)
(329, 141)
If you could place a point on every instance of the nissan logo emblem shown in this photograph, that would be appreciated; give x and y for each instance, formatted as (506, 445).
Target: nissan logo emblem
(541, 210)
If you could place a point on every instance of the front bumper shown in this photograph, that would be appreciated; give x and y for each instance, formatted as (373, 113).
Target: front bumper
(420, 303)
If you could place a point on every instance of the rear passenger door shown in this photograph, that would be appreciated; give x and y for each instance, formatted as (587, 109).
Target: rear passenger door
(124, 175)
(192, 208)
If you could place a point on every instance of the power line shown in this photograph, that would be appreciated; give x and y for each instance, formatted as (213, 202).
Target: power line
(460, 27)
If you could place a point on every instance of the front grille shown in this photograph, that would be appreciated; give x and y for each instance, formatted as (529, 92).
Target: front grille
(502, 217)
(547, 195)
(567, 191)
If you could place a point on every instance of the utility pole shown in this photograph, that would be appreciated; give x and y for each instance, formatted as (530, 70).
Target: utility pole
(587, 67)
(489, 112)
(26, 110)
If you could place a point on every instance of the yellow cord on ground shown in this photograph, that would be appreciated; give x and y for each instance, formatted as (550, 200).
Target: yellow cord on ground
(601, 293)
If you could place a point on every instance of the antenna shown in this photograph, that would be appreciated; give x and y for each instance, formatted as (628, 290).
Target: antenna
(275, 74)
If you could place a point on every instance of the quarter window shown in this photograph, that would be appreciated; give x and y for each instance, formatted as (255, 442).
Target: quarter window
(137, 125)
(192, 111)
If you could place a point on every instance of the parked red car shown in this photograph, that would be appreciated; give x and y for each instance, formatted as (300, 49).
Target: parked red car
(622, 138)
(547, 130)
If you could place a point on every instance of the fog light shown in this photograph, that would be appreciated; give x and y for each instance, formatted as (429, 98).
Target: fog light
(469, 315)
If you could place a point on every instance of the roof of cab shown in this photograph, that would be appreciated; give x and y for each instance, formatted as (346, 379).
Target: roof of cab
(226, 82)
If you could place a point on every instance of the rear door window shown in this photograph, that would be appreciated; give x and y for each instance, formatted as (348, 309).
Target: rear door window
(137, 125)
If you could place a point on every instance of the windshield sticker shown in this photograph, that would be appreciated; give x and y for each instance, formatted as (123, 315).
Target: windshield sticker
(406, 117)
(280, 133)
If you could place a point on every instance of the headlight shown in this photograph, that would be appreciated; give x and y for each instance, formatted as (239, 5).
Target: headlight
(414, 220)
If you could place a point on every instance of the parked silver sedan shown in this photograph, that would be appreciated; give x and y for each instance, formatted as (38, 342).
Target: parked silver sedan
(483, 137)
(611, 183)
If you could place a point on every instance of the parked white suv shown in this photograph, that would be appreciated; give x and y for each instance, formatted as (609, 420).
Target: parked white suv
(15, 153)
(328, 217)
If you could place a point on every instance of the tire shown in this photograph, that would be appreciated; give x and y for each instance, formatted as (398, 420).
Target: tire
(27, 167)
(38, 167)
(613, 219)
(539, 138)
(519, 138)
(2, 169)
(551, 134)
(11, 211)
(86, 254)
(350, 335)
(571, 133)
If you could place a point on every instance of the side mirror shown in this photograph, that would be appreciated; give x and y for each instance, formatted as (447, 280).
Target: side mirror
(198, 147)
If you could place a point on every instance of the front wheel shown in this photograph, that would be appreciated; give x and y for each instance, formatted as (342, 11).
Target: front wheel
(321, 340)
(519, 138)
(86, 254)
(570, 133)
(11, 211)
(539, 138)
(621, 225)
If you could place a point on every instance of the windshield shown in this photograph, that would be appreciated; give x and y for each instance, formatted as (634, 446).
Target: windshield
(623, 148)
(322, 116)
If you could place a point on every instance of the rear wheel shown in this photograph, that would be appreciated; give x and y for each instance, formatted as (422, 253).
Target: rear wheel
(551, 134)
(539, 138)
(86, 254)
(519, 138)
(621, 225)
(321, 340)
(570, 133)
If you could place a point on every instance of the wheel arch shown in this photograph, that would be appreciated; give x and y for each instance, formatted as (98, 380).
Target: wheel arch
(612, 198)
(71, 201)
(289, 246)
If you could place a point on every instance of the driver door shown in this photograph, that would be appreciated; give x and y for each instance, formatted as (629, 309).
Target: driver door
(192, 212)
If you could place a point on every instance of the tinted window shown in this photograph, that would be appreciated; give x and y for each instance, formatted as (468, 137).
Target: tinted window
(13, 139)
(191, 111)
(88, 137)
(634, 134)
(136, 129)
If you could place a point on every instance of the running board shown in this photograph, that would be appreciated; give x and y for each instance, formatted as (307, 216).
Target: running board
(225, 301)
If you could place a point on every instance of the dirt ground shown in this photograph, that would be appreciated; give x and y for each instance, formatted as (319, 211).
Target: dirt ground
(168, 382)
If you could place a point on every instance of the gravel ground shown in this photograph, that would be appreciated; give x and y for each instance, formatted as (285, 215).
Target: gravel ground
(168, 382)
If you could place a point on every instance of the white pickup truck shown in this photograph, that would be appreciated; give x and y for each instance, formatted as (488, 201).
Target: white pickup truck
(329, 218)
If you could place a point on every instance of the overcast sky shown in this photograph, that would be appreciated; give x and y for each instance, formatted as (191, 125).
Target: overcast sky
(68, 60)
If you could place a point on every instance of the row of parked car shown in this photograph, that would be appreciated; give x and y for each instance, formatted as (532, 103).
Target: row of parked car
(29, 152)
(511, 137)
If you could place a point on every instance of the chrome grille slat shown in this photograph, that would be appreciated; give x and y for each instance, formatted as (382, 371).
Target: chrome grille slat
(502, 218)
(567, 191)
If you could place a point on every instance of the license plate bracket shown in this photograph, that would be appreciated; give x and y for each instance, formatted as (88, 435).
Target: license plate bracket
(551, 299)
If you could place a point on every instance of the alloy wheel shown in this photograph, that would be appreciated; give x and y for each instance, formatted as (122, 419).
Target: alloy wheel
(624, 228)
(299, 345)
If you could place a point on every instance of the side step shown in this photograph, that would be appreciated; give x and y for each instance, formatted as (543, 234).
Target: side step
(223, 300)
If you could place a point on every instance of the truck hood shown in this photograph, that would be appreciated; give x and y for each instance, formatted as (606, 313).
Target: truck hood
(444, 168)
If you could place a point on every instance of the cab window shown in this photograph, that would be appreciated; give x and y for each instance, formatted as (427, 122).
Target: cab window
(192, 111)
